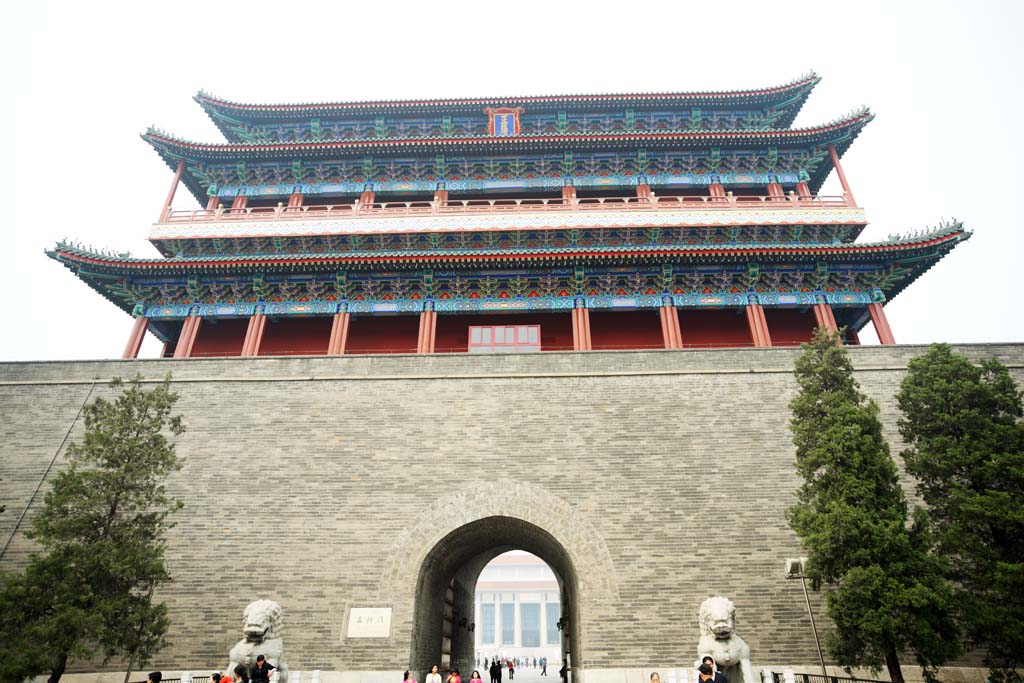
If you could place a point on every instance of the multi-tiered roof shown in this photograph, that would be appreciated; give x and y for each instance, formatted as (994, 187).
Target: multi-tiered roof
(618, 202)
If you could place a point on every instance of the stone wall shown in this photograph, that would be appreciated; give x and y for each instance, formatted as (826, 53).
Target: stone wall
(328, 483)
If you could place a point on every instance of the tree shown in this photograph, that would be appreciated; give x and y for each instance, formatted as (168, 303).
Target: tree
(966, 448)
(101, 530)
(889, 594)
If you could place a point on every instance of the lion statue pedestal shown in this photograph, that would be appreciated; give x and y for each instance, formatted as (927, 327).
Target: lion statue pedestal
(719, 641)
(262, 623)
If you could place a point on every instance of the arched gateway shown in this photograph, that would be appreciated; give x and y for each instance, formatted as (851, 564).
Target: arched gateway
(437, 561)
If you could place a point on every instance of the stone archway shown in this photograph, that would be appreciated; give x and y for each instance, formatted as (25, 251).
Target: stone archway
(454, 539)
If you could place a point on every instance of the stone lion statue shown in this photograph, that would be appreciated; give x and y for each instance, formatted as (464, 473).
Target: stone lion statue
(262, 622)
(718, 640)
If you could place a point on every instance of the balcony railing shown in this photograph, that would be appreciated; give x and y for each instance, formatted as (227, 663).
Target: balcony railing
(485, 206)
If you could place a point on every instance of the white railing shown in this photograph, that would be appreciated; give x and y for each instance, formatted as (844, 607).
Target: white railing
(473, 206)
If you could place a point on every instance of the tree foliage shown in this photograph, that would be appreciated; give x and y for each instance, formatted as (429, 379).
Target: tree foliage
(962, 423)
(101, 530)
(889, 594)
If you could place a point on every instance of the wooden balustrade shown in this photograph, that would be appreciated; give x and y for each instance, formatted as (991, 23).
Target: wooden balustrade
(474, 206)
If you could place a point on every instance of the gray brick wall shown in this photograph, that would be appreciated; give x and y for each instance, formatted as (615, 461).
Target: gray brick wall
(325, 483)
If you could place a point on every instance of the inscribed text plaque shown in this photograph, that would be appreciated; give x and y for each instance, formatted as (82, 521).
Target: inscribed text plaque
(369, 622)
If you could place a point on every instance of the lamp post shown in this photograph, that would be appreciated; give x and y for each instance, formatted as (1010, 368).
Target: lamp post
(795, 570)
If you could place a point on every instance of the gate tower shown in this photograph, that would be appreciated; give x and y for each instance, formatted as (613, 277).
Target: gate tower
(569, 222)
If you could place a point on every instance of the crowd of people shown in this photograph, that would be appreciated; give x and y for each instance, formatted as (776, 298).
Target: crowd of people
(261, 672)
(496, 666)
(707, 672)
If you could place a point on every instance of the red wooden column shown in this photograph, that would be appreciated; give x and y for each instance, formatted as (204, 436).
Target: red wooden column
(803, 190)
(428, 332)
(823, 314)
(569, 193)
(764, 325)
(643, 191)
(131, 349)
(758, 325)
(441, 196)
(881, 324)
(675, 326)
(775, 191)
(166, 210)
(254, 335)
(187, 338)
(295, 200)
(717, 191)
(842, 176)
(239, 203)
(670, 327)
(581, 330)
(755, 325)
(367, 197)
(339, 334)
(213, 203)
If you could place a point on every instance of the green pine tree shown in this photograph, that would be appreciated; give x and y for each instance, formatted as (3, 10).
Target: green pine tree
(962, 423)
(888, 594)
(101, 530)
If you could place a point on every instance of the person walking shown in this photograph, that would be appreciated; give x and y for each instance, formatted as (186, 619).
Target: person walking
(495, 671)
(433, 676)
(511, 670)
(543, 666)
(408, 677)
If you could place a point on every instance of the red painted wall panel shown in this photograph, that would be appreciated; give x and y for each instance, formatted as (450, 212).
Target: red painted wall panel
(611, 330)
(453, 329)
(222, 337)
(790, 326)
(382, 334)
(714, 328)
(296, 336)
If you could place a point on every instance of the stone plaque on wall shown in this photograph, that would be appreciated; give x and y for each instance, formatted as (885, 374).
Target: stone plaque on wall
(369, 622)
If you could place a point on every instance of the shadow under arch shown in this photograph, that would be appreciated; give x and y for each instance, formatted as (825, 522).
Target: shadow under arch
(455, 563)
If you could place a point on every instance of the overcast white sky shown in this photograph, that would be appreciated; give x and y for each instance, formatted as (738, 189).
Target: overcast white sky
(81, 80)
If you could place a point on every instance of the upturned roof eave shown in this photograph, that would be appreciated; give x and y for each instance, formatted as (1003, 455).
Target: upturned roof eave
(790, 95)
(221, 151)
(840, 132)
(922, 263)
(893, 250)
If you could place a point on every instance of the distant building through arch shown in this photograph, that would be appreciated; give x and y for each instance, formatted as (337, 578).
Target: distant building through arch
(518, 610)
